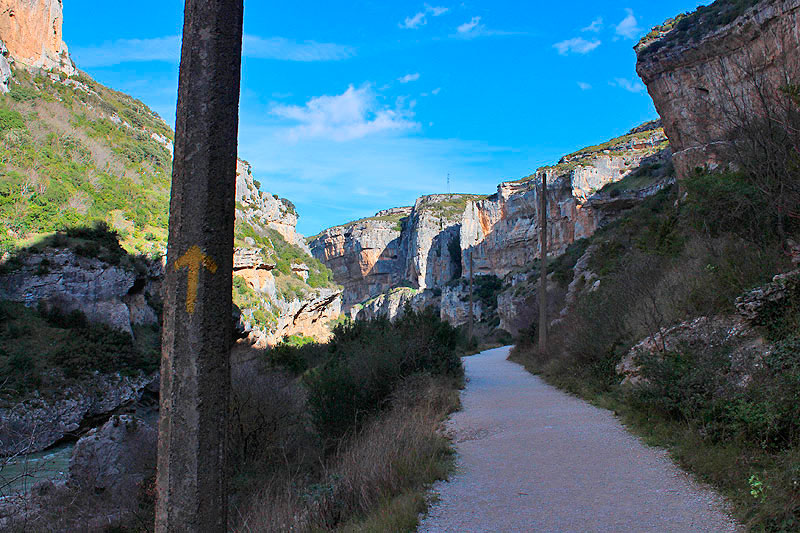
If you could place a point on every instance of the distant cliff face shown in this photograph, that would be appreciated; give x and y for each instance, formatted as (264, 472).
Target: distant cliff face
(31, 29)
(502, 231)
(708, 77)
(367, 257)
(427, 247)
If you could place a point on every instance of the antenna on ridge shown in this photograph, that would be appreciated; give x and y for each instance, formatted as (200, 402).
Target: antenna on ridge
(448, 183)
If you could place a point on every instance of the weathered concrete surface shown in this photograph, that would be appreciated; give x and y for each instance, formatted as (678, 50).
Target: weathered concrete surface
(195, 365)
(532, 458)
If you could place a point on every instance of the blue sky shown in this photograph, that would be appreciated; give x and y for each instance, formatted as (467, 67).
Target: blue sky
(351, 107)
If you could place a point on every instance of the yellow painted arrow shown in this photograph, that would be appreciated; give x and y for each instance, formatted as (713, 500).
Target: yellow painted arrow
(193, 260)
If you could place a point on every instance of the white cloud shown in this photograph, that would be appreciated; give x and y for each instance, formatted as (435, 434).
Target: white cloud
(421, 18)
(409, 78)
(436, 91)
(474, 29)
(127, 51)
(436, 11)
(584, 86)
(595, 26)
(467, 27)
(168, 49)
(416, 21)
(354, 114)
(327, 183)
(634, 86)
(577, 45)
(629, 27)
(287, 50)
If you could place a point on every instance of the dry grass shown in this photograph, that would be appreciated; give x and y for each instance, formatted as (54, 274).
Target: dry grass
(376, 481)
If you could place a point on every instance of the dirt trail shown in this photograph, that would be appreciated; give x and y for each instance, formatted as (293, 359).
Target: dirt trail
(534, 459)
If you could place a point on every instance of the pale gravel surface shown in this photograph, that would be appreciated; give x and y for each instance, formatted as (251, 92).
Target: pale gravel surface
(534, 459)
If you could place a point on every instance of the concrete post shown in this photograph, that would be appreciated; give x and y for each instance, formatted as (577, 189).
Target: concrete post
(543, 280)
(195, 370)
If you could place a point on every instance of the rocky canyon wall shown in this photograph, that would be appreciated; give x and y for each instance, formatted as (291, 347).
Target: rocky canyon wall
(31, 30)
(368, 256)
(426, 248)
(710, 76)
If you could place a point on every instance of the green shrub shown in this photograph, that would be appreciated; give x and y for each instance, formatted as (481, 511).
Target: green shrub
(563, 268)
(354, 375)
(10, 120)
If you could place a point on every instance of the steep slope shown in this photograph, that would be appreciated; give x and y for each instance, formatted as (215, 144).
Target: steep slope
(418, 255)
(713, 72)
(74, 153)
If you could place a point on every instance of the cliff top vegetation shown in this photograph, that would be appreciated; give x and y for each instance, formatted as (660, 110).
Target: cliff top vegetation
(396, 220)
(692, 27)
(448, 206)
(613, 147)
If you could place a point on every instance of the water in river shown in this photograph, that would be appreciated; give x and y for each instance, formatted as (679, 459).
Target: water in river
(21, 473)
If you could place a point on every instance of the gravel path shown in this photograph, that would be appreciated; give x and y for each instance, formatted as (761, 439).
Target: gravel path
(534, 459)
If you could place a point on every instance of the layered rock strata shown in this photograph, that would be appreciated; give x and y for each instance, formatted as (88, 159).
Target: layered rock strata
(708, 81)
(368, 256)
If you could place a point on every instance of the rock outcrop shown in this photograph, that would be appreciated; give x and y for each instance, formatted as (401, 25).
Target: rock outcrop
(306, 317)
(114, 458)
(709, 79)
(700, 335)
(367, 257)
(31, 29)
(756, 308)
(107, 294)
(391, 304)
(39, 422)
(264, 210)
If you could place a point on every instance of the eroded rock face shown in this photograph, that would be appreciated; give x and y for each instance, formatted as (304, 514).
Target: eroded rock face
(5, 69)
(264, 210)
(704, 88)
(443, 235)
(38, 422)
(434, 231)
(367, 257)
(392, 303)
(62, 279)
(454, 306)
(31, 29)
(502, 231)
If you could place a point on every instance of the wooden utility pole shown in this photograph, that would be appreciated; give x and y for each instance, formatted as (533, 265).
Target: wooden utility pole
(195, 366)
(471, 317)
(543, 280)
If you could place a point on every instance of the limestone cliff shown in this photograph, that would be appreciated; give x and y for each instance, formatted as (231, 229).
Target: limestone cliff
(368, 256)
(427, 247)
(711, 72)
(501, 232)
(31, 29)
(264, 209)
